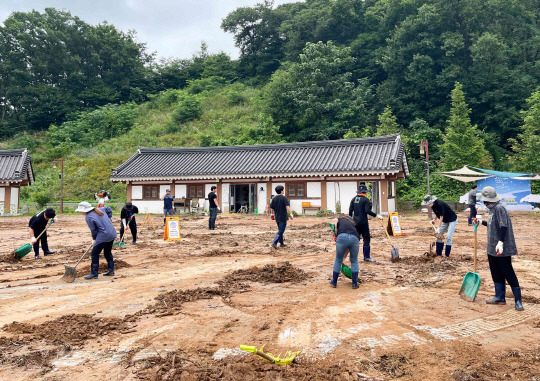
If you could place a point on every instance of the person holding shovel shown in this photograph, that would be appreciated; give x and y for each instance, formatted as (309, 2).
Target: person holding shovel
(103, 236)
(348, 239)
(281, 209)
(36, 225)
(127, 216)
(447, 222)
(501, 246)
(360, 208)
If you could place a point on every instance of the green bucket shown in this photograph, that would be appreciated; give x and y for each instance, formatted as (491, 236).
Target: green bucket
(22, 251)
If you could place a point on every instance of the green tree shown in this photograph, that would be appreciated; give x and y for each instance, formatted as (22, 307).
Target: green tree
(388, 124)
(527, 144)
(462, 144)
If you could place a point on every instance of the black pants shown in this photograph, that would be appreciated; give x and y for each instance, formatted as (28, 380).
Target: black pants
(472, 213)
(107, 253)
(44, 243)
(363, 229)
(501, 270)
(212, 219)
(132, 226)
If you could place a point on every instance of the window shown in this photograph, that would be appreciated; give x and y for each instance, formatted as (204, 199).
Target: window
(195, 191)
(296, 190)
(391, 189)
(151, 192)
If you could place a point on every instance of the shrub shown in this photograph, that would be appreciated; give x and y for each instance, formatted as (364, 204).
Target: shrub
(42, 197)
(188, 109)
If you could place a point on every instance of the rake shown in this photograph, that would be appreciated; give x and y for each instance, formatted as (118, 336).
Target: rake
(71, 272)
(289, 356)
(26, 248)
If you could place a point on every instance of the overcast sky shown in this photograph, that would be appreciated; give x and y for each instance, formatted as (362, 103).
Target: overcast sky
(172, 28)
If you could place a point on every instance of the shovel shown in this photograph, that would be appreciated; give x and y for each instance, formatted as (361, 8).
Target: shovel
(395, 252)
(121, 242)
(71, 272)
(345, 270)
(436, 234)
(289, 356)
(471, 282)
(26, 248)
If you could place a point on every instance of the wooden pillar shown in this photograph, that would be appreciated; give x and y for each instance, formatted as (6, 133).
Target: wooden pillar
(323, 195)
(7, 200)
(268, 194)
(384, 195)
(219, 194)
(128, 196)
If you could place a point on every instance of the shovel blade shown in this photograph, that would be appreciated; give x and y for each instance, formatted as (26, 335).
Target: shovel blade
(70, 274)
(119, 244)
(470, 286)
(395, 254)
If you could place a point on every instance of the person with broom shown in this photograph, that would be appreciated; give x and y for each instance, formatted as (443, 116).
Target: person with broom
(501, 246)
(103, 236)
(447, 222)
(127, 217)
(348, 239)
(36, 225)
(360, 208)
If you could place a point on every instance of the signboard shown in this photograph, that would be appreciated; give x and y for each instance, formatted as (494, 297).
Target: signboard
(510, 190)
(393, 226)
(172, 229)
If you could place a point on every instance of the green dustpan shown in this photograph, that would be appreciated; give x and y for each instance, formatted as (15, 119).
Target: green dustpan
(26, 248)
(345, 270)
(471, 282)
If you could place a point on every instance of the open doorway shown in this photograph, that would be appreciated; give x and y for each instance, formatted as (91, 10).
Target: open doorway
(243, 198)
(373, 186)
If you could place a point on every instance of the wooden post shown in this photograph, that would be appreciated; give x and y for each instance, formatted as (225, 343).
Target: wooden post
(268, 194)
(384, 195)
(324, 202)
(7, 200)
(128, 197)
(219, 194)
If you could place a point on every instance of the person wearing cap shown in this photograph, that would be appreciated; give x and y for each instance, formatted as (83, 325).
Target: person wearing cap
(447, 222)
(127, 217)
(103, 236)
(472, 203)
(36, 225)
(168, 209)
(359, 209)
(348, 239)
(501, 246)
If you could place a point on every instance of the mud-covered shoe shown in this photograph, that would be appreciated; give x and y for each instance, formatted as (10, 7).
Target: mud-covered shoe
(91, 276)
(37, 257)
(108, 273)
(274, 246)
(49, 253)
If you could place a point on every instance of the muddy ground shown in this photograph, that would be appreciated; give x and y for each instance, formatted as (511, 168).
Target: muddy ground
(180, 310)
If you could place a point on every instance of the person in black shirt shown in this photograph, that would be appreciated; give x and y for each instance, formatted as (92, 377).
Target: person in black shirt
(127, 216)
(36, 225)
(360, 207)
(447, 222)
(281, 208)
(348, 238)
(213, 207)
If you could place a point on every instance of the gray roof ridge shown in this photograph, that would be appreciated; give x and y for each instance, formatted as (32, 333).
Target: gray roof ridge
(13, 151)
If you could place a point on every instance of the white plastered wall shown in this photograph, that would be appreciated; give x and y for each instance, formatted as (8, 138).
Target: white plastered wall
(14, 208)
(136, 192)
(261, 197)
(314, 189)
(342, 191)
(154, 207)
(225, 197)
(180, 191)
(2, 199)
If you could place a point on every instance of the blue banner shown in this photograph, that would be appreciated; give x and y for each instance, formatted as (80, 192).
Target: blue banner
(510, 190)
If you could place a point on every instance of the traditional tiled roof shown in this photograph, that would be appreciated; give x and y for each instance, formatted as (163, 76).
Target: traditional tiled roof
(346, 157)
(15, 166)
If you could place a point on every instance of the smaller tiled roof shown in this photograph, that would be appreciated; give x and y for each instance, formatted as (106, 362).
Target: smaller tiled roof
(347, 157)
(15, 165)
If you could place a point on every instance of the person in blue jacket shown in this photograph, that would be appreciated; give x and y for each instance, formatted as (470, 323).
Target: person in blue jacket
(103, 236)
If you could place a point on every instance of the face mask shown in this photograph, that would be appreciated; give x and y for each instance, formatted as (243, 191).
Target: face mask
(489, 205)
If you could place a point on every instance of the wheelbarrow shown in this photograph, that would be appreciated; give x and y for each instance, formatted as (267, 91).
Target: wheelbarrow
(289, 356)
(471, 282)
(26, 248)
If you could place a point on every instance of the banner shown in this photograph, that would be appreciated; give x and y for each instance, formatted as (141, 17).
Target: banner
(172, 229)
(393, 226)
(510, 190)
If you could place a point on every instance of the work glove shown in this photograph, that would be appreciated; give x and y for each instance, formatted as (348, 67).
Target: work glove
(124, 223)
(379, 217)
(55, 220)
(93, 242)
(499, 248)
(34, 240)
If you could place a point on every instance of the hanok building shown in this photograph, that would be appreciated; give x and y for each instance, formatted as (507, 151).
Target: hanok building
(15, 172)
(320, 175)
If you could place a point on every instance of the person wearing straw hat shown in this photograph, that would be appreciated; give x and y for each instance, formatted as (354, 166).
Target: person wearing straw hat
(501, 246)
(447, 222)
(360, 207)
(36, 225)
(103, 236)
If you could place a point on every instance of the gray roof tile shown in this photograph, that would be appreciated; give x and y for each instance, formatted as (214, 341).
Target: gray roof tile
(382, 154)
(14, 165)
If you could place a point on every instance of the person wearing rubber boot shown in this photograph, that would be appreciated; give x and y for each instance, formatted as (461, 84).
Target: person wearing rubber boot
(36, 225)
(103, 236)
(472, 203)
(360, 208)
(447, 222)
(348, 239)
(501, 246)
(127, 217)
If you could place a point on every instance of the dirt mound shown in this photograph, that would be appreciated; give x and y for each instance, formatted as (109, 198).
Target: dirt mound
(72, 329)
(9, 258)
(280, 273)
(118, 264)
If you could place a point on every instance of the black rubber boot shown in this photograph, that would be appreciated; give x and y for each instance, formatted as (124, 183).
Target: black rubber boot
(439, 246)
(354, 280)
(367, 251)
(45, 247)
(500, 291)
(333, 282)
(447, 250)
(517, 298)
(94, 268)
(36, 249)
